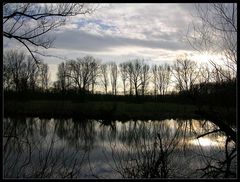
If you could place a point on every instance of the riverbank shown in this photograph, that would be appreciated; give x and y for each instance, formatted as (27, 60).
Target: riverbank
(99, 110)
(111, 110)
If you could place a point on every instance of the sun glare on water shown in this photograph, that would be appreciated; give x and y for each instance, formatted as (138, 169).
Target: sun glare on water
(204, 142)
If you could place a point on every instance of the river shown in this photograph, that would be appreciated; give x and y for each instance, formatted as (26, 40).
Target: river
(84, 148)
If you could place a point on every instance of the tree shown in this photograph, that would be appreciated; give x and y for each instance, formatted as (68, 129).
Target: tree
(163, 78)
(79, 74)
(94, 73)
(104, 76)
(33, 71)
(13, 60)
(124, 75)
(130, 76)
(62, 82)
(204, 74)
(147, 152)
(74, 73)
(88, 66)
(136, 74)
(44, 76)
(30, 23)
(185, 73)
(144, 77)
(217, 33)
(113, 77)
(219, 74)
(21, 72)
(154, 78)
(7, 77)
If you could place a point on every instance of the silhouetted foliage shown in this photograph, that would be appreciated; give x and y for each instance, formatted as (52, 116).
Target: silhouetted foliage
(22, 73)
(30, 23)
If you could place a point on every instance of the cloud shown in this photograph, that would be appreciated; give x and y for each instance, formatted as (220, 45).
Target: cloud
(122, 31)
(80, 40)
(155, 26)
(113, 26)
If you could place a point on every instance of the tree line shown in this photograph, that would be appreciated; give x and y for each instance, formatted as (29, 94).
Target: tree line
(134, 77)
(22, 72)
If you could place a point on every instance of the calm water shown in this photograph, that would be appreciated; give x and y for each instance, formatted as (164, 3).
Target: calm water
(67, 148)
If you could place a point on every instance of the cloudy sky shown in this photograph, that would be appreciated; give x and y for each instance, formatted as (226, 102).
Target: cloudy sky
(119, 32)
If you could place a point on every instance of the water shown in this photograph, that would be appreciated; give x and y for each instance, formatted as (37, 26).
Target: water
(68, 148)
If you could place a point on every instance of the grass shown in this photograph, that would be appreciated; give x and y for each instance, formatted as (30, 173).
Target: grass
(110, 110)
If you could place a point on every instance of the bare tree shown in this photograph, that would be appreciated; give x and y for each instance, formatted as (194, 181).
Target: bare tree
(104, 76)
(147, 153)
(74, 73)
(145, 77)
(22, 72)
(25, 70)
(217, 33)
(185, 72)
(87, 69)
(130, 76)
(113, 77)
(136, 75)
(7, 77)
(33, 70)
(62, 82)
(163, 78)
(94, 73)
(14, 61)
(154, 78)
(79, 74)
(204, 74)
(30, 23)
(124, 75)
(220, 74)
(44, 76)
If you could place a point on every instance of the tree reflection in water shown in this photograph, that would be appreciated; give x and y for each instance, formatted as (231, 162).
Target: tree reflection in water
(164, 150)
(27, 155)
(73, 148)
(141, 156)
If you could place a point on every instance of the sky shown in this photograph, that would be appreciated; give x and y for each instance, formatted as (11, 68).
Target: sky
(120, 32)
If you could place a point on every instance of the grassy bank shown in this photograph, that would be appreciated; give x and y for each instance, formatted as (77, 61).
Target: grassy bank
(110, 110)
(99, 110)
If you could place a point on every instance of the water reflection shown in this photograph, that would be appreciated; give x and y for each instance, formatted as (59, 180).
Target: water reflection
(70, 148)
